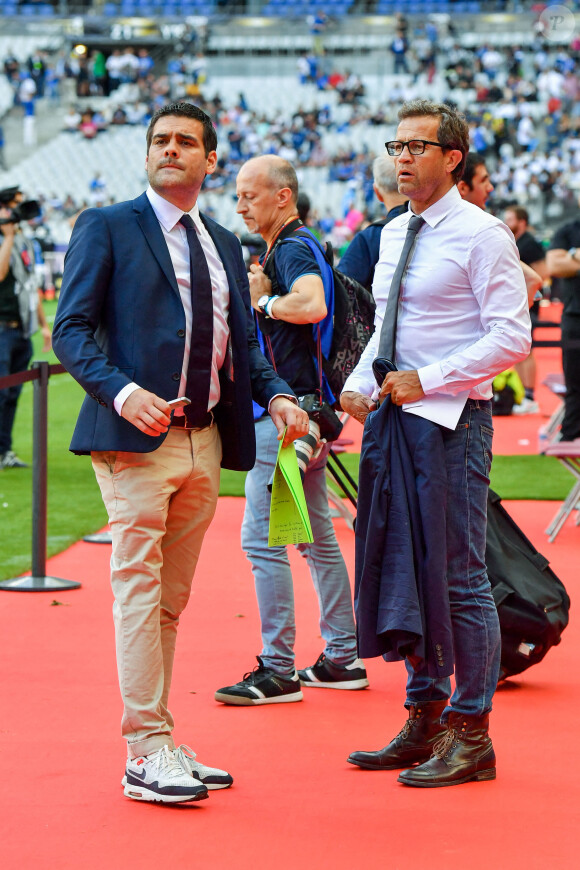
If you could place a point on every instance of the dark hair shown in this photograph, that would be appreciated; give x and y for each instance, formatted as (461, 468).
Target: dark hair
(453, 132)
(303, 206)
(520, 212)
(472, 161)
(186, 110)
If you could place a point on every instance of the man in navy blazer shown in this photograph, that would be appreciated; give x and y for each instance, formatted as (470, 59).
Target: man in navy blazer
(130, 327)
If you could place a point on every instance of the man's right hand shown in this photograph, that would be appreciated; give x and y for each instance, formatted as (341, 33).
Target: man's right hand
(7, 230)
(357, 405)
(146, 411)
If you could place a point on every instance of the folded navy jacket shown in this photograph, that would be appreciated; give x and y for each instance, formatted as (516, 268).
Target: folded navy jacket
(401, 598)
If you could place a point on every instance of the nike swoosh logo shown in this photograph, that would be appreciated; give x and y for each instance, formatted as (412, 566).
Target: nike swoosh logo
(141, 775)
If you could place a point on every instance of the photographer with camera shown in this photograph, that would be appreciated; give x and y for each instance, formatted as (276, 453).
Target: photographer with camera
(287, 292)
(20, 310)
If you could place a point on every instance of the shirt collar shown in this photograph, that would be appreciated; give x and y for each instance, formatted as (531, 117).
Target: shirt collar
(168, 214)
(440, 209)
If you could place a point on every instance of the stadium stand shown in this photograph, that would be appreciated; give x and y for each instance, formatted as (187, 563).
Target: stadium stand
(270, 86)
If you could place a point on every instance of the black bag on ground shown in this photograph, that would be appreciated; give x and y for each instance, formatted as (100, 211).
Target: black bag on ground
(531, 601)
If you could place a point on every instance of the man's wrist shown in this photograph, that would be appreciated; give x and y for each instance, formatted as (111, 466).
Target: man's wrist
(268, 307)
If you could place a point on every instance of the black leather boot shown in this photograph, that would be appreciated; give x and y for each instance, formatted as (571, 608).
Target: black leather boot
(414, 744)
(464, 754)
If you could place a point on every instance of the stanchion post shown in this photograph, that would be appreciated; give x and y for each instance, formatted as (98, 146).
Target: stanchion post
(39, 582)
(40, 469)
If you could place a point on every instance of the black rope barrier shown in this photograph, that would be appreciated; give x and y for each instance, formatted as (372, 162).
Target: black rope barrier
(38, 581)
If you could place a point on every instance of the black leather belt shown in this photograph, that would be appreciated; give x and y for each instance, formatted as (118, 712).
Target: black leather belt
(10, 324)
(181, 422)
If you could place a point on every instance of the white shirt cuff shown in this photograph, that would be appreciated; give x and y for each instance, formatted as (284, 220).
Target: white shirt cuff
(431, 378)
(122, 397)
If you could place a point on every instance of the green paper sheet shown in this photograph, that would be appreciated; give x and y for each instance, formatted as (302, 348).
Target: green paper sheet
(289, 520)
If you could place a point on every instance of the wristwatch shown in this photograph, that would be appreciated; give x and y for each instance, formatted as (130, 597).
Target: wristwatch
(262, 302)
(572, 252)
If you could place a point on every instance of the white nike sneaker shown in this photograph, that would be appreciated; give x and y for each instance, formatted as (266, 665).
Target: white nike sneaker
(161, 777)
(211, 777)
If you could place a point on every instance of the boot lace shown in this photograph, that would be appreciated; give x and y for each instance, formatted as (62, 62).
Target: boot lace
(446, 744)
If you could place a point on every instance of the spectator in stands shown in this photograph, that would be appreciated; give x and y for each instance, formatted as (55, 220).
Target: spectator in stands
(114, 65)
(399, 49)
(289, 294)
(88, 125)
(98, 73)
(71, 120)
(20, 313)
(145, 62)
(362, 254)
(563, 262)
(532, 254)
(27, 99)
(318, 23)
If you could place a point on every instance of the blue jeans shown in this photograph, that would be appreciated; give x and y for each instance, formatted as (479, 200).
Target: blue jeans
(15, 354)
(476, 634)
(271, 568)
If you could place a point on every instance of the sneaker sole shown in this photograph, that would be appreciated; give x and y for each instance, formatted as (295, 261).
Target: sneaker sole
(239, 701)
(209, 785)
(347, 684)
(140, 793)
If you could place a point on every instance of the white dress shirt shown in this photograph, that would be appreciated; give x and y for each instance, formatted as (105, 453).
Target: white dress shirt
(175, 235)
(463, 313)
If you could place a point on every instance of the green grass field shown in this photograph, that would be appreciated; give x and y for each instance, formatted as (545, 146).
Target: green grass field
(74, 503)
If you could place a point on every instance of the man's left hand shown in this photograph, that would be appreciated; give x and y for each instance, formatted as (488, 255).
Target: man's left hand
(260, 284)
(402, 386)
(285, 414)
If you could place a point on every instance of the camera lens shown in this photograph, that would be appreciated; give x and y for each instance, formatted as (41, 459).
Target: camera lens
(305, 447)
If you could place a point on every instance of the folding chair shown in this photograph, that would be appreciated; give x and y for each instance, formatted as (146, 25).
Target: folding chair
(568, 453)
(548, 433)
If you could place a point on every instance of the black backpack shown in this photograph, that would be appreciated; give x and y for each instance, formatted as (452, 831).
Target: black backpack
(531, 602)
(354, 311)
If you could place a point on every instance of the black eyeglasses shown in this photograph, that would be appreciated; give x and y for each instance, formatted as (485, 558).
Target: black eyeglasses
(415, 146)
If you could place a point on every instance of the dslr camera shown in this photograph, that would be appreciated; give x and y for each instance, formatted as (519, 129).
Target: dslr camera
(324, 426)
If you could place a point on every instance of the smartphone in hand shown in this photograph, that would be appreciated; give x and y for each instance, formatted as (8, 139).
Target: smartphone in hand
(179, 403)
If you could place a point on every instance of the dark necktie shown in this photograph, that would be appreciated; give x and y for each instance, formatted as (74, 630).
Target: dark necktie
(387, 340)
(201, 344)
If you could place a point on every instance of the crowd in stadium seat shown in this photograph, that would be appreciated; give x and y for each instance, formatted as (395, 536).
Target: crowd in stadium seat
(522, 103)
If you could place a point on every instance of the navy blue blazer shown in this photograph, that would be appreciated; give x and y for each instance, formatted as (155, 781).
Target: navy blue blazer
(401, 598)
(120, 319)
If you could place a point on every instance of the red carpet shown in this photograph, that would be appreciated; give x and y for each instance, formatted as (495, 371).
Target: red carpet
(295, 802)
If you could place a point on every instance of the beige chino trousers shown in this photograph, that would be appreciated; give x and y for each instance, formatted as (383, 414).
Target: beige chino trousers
(160, 505)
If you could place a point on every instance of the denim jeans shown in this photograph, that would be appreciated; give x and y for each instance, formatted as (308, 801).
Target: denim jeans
(271, 568)
(15, 354)
(476, 634)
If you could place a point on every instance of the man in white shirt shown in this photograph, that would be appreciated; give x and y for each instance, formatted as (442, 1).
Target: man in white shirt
(155, 306)
(462, 318)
